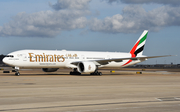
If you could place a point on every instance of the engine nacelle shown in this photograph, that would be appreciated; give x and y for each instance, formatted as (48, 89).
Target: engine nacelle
(50, 69)
(86, 67)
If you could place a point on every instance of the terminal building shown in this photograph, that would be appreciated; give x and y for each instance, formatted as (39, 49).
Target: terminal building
(155, 66)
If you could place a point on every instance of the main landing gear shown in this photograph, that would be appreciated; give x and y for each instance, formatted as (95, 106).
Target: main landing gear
(75, 72)
(17, 71)
(96, 73)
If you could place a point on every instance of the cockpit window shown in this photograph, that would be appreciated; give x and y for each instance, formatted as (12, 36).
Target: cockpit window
(9, 56)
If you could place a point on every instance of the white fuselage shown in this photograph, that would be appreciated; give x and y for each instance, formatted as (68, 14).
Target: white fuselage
(79, 61)
(63, 58)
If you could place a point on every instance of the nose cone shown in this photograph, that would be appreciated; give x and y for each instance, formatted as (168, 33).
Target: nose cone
(7, 61)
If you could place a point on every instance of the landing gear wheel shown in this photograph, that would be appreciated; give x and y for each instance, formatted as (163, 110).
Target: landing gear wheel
(75, 72)
(17, 73)
(96, 73)
(99, 73)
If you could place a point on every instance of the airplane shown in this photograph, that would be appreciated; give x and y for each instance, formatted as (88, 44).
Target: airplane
(79, 61)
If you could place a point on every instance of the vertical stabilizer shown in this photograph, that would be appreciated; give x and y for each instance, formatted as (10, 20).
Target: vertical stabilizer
(138, 48)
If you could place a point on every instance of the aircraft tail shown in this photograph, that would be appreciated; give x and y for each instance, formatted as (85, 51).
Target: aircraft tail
(137, 49)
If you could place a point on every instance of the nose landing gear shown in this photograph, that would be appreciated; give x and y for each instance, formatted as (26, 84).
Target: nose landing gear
(17, 71)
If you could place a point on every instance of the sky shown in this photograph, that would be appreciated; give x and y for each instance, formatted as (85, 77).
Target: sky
(92, 25)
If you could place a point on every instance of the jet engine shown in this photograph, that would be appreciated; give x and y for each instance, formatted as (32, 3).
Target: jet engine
(49, 69)
(86, 67)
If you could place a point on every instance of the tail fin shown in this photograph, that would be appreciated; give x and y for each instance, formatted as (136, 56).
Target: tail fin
(137, 49)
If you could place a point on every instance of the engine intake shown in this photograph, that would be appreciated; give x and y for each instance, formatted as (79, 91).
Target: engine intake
(49, 69)
(86, 67)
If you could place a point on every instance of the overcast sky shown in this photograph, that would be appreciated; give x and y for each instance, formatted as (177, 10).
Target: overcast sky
(91, 25)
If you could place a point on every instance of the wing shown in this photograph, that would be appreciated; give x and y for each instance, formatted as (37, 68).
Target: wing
(106, 61)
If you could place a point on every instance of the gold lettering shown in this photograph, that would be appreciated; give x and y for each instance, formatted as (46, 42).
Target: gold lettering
(69, 55)
(75, 55)
(30, 56)
(46, 58)
(54, 58)
(60, 57)
(63, 58)
(40, 57)
(51, 58)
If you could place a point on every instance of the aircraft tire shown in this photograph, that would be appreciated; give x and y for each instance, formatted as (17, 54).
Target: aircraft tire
(75, 73)
(17, 74)
(99, 73)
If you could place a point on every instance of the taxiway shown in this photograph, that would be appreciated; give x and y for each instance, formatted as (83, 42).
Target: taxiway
(36, 91)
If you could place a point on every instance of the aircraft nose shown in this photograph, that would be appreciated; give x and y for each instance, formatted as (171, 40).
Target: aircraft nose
(8, 59)
(5, 60)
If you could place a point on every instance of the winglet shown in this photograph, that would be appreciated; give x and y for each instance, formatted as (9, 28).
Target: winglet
(137, 49)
